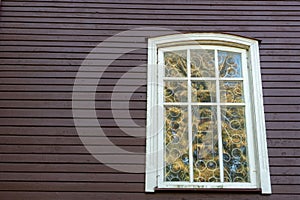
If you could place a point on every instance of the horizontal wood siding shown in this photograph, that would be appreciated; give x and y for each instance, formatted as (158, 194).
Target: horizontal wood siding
(42, 45)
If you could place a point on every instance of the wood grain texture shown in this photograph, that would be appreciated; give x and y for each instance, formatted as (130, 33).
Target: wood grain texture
(42, 45)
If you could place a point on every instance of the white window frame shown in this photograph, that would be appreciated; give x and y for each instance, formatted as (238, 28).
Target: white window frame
(259, 174)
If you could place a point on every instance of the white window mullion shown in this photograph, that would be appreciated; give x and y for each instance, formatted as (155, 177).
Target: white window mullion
(220, 142)
(175, 78)
(190, 118)
(160, 123)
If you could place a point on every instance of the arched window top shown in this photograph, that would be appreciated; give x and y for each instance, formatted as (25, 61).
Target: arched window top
(203, 38)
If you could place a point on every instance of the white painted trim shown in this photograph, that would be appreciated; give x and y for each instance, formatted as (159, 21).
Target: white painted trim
(219, 118)
(159, 97)
(152, 150)
(209, 185)
(251, 139)
(151, 140)
(259, 119)
(194, 37)
(190, 123)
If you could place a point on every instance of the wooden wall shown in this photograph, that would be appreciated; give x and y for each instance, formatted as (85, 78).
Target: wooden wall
(42, 45)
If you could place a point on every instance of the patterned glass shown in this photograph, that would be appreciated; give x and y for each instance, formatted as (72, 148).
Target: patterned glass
(175, 64)
(203, 91)
(176, 143)
(175, 91)
(209, 116)
(231, 92)
(236, 168)
(230, 64)
(205, 144)
(202, 63)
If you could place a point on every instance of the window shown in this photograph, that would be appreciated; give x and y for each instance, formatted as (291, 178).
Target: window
(205, 119)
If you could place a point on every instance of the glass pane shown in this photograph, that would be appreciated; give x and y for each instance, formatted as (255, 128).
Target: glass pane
(231, 91)
(175, 91)
(203, 91)
(236, 168)
(202, 63)
(175, 64)
(176, 143)
(230, 64)
(205, 144)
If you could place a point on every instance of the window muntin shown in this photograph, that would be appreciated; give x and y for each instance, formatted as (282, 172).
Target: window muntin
(205, 139)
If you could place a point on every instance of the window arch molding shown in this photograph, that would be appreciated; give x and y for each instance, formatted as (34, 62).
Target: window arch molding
(154, 114)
